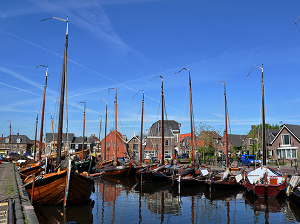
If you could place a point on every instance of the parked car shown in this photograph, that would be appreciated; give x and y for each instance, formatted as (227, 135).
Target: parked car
(249, 160)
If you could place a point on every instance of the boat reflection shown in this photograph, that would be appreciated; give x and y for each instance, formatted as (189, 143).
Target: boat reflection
(269, 205)
(60, 214)
(223, 194)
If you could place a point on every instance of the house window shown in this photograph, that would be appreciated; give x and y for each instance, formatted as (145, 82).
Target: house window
(286, 139)
(76, 146)
(133, 140)
(166, 142)
(21, 146)
(7, 140)
(107, 143)
(222, 144)
(19, 140)
(286, 154)
(3, 146)
(15, 146)
(135, 146)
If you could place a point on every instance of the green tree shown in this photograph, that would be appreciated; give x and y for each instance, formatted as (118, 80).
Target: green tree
(207, 136)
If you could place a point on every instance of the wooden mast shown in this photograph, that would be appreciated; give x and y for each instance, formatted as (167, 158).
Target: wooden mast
(116, 114)
(162, 123)
(191, 117)
(191, 113)
(105, 129)
(82, 157)
(226, 130)
(99, 134)
(36, 124)
(62, 94)
(263, 118)
(42, 118)
(141, 135)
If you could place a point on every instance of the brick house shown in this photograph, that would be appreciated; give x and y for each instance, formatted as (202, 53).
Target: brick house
(134, 147)
(110, 143)
(254, 139)
(286, 144)
(235, 143)
(18, 144)
(171, 139)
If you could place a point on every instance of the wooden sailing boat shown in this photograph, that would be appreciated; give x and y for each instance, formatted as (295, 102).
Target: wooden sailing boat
(113, 169)
(230, 177)
(37, 168)
(65, 187)
(161, 173)
(264, 181)
(190, 176)
(84, 165)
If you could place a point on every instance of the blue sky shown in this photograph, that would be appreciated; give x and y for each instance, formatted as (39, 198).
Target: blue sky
(124, 44)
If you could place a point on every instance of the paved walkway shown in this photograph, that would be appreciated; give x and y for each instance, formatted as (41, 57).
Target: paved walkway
(6, 188)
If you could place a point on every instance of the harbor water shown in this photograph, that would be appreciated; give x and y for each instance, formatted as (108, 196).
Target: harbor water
(124, 200)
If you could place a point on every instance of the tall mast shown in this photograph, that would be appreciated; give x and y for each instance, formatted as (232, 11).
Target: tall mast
(141, 135)
(82, 158)
(99, 134)
(36, 124)
(162, 123)
(263, 118)
(226, 132)
(105, 129)
(191, 113)
(116, 114)
(263, 113)
(62, 93)
(43, 112)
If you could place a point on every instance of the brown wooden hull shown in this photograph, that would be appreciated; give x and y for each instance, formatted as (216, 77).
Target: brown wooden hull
(120, 171)
(24, 173)
(51, 189)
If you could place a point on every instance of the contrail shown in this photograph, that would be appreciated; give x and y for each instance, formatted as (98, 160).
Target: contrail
(24, 90)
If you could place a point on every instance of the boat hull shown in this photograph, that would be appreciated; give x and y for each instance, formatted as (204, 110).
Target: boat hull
(51, 189)
(119, 171)
(149, 176)
(223, 185)
(28, 171)
(261, 190)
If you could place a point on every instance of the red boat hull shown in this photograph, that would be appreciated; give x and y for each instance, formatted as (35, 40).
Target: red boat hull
(261, 190)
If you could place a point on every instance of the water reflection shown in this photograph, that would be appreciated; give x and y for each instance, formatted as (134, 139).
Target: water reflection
(123, 200)
(59, 214)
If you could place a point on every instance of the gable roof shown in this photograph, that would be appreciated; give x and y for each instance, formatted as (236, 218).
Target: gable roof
(292, 129)
(24, 139)
(169, 126)
(133, 137)
(236, 140)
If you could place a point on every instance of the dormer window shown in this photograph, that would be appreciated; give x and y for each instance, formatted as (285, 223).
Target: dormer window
(19, 140)
(286, 139)
(7, 140)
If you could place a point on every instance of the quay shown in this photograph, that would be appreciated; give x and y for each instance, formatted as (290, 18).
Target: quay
(15, 205)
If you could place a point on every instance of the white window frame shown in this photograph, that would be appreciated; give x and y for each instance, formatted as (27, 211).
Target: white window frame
(282, 139)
